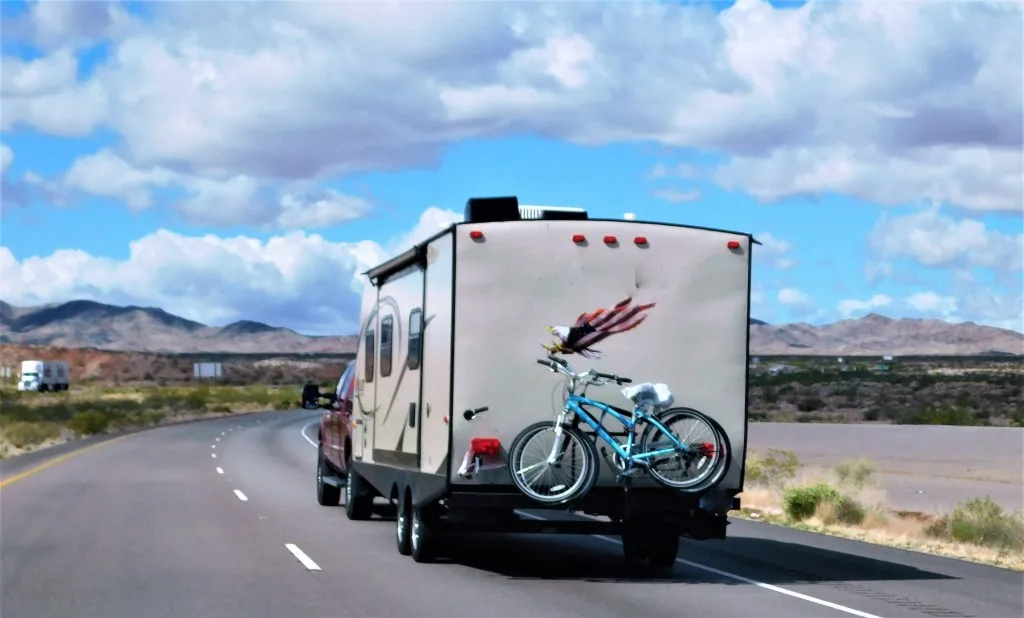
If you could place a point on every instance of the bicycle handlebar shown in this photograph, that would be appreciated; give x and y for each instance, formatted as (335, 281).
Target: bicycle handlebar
(561, 366)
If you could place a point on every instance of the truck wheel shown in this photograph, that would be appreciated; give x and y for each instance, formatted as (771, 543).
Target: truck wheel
(403, 525)
(424, 535)
(663, 547)
(326, 495)
(358, 501)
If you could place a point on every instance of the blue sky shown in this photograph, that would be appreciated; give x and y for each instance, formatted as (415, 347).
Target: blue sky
(139, 118)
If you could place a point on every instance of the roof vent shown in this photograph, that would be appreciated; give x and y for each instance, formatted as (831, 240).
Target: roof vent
(629, 216)
(550, 213)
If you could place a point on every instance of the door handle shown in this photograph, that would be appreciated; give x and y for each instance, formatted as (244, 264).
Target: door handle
(412, 415)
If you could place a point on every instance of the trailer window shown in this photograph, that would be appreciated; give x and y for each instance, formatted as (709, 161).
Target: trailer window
(368, 354)
(387, 326)
(415, 338)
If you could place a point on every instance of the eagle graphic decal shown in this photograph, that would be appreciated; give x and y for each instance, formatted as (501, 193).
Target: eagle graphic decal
(596, 326)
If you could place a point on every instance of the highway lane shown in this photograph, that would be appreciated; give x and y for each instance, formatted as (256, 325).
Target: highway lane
(155, 525)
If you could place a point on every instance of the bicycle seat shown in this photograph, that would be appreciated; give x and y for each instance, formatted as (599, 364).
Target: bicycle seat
(657, 395)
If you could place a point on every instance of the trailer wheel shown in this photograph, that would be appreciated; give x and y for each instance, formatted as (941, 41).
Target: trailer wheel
(326, 495)
(634, 545)
(663, 547)
(424, 539)
(403, 525)
(358, 501)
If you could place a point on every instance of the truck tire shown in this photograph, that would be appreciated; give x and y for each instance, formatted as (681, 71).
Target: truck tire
(326, 495)
(403, 525)
(358, 500)
(424, 538)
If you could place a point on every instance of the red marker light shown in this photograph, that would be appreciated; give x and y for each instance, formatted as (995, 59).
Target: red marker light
(610, 240)
(640, 240)
(733, 245)
(578, 238)
(476, 234)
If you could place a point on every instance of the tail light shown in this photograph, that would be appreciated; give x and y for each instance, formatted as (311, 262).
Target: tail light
(485, 447)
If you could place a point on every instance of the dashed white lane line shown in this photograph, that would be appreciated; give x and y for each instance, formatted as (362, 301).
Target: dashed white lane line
(214, 455)
(308, 439)
(217, 439)
(745, 580)
(302, 557)
(213, 446)
(241, 496)
(220, 470)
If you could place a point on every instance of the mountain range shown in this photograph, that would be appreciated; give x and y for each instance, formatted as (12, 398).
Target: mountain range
(83, 323)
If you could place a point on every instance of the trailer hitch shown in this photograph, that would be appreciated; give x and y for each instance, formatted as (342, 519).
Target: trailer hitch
(469, 414)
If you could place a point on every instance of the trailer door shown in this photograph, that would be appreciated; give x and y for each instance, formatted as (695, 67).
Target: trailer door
(397, 415)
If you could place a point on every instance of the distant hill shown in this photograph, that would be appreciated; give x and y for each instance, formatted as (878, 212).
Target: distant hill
(877, 334)
(82, 323)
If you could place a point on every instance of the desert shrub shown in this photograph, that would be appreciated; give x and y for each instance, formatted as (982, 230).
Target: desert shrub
(810, 404)
(844, 510)
(22, 434)
(855, 473)
(775, 469)
(981, 521)
(89, 422)
(799, 503)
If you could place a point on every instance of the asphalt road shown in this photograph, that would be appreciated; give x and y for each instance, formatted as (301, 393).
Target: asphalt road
(219, 519)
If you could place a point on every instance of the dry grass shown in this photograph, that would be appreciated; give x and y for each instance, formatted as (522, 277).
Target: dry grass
(978, 530)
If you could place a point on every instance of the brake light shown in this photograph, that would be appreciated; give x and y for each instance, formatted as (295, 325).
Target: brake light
(610, 240)
(485, 447)
(476, 234)
(733, 245)
(640, 240)
(578, 238)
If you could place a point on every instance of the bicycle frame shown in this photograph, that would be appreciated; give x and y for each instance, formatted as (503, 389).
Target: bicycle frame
(575, 405)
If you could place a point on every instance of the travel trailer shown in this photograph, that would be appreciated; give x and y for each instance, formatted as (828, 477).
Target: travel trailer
(446, 372)
(44, 376)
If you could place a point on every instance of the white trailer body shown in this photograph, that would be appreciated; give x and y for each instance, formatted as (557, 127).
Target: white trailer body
(457, 323)
(44, 376)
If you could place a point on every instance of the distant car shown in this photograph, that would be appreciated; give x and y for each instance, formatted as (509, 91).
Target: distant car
(310, 396)
(334, 441)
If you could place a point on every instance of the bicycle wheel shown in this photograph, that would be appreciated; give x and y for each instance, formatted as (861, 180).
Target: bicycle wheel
(697, 468)
(567, 479)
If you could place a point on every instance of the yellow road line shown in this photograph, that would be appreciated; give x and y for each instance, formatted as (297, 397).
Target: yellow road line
(55, 461)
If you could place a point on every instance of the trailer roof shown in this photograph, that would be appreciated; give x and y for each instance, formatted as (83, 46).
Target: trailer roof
(417, 252)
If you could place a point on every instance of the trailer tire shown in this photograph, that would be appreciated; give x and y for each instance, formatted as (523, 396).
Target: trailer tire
(326, 495)
(663, 547)
(403, 525)
(424, 538)
(634, 545)
(358, 501)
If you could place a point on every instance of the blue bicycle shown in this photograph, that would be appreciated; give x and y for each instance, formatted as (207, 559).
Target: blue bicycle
(555, 462)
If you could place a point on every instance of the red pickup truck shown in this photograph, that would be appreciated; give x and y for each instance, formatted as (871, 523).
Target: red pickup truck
(334, 440)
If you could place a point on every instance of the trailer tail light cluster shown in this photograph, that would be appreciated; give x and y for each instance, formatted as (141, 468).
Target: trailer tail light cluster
(482, 454)
(485, 447)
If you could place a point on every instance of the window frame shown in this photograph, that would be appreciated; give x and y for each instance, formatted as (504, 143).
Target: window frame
(369, 354)
(415, 360)
(387, 325)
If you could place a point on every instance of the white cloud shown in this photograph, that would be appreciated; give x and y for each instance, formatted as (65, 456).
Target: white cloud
(794, 298)
(925, 98)
(225, 201)
(851, 306)
(936, 240)
(932, 303)
(296, 279)
(773, 252)
(6, 158)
